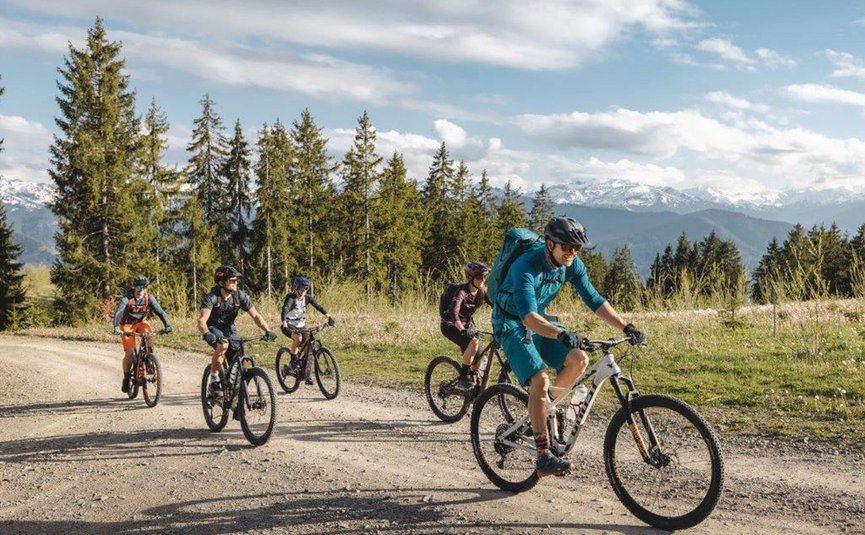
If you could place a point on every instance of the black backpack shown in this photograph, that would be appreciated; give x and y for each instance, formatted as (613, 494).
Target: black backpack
(448, 297)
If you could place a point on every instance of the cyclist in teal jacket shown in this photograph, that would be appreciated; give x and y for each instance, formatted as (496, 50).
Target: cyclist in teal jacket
(531, 342)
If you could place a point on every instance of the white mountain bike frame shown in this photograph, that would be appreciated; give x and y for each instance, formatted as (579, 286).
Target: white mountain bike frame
(602, 370)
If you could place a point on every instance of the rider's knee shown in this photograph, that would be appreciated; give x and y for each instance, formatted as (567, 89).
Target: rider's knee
(539, 384)
(577, 357)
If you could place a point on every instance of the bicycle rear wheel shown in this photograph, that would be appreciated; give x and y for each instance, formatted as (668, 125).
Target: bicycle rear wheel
(215, 411)
(288, 377)
(447, 401)
(506, 456)
(257, 406)
(327, 373)
(152, 380)
(681, 484)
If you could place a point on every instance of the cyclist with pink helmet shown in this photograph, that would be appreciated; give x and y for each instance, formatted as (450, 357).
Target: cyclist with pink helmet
(458, 305)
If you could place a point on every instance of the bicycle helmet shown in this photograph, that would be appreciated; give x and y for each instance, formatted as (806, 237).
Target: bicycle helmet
(475, 269)
(567, 230)
(300, 283)
(140, 281)
(223, 273)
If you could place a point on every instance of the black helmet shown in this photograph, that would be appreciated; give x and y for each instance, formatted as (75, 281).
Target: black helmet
(223, 273)
(140, 281)
(567, 230)
(300, 283)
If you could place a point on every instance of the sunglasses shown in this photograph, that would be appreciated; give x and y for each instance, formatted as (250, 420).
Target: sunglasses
(232, 280)
(570, 247)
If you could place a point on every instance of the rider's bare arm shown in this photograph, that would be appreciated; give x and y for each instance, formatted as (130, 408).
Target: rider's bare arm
(202, 320)
(258, 319)
(607, 313)
(537, 323)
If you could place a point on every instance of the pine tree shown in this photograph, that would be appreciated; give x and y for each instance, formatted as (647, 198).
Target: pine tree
(837, 261)
(103, 233)
(399, 227)
(621, 285)
(12, 294)
(311, 172)
(208, 154)
(439, 254)
(510, 212)
(361, 175)
(766, 274)
(542, 211)
(459, 194)
(596, 268)
(163, 188)
(237, 176)
(198, 256)
(489, 236)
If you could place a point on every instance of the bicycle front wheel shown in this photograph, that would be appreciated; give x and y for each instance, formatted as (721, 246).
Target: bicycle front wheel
(327, 373)
(215, 411)
(133, 381)
(446, 400)
(257, 406)
(152, 380)
(502, 440)
(288, 377)
(680, 483)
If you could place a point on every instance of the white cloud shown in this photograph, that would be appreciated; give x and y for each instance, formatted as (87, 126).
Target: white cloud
(524, 35)
(317, 75)
(453, 135)
(773, 59)
(781, 157)
(727, 50)
(825, 94)
(25, 149)
(725, 99)
(847, 65)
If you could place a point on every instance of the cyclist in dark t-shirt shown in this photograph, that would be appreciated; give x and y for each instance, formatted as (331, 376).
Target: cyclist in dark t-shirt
(457, 324)
(219, 309)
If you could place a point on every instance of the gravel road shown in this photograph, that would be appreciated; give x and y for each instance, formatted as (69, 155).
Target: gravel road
(77, 457)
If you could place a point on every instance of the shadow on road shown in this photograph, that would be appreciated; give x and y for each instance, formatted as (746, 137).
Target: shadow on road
(383, 511)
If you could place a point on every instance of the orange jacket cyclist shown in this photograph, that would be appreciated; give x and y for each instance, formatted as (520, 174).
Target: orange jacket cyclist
(219, 309)
(133, 310)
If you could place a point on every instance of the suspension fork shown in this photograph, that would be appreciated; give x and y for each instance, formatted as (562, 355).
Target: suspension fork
(626, 399)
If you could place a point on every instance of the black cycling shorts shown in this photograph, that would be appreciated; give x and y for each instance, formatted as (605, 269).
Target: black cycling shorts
(233, 346)
(456, 336)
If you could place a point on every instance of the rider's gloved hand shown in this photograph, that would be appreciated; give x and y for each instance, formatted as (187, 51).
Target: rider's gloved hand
(569, 339)
(636, 336)
(115, 331)
(168, 329)
(469, 332)
(211, 338)
(331, 322)
(270, 336)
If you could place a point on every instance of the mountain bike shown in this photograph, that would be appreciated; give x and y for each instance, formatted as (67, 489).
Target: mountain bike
(312, 354)
(446, 399)
(146, 371)
(662, 459)
(247, 392)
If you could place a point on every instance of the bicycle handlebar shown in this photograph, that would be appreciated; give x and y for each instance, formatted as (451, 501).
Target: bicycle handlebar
(594, 345)
(154, 333)
(310, 330)
(246, 339)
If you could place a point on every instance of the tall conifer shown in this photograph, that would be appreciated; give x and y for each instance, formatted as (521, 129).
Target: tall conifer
(239, 197)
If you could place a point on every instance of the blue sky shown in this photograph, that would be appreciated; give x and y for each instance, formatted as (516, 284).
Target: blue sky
(747, 97)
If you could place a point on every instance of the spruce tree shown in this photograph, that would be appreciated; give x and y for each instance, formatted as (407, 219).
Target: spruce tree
(400, 227)
(311, 172)
(621, 285)
(596, 268)
(103, 234)
(163, 189)
(198, 256)
(12, 294)
(208, 154)
(439, 252)
(766, 274)
(361, 175)
(510, 211)
(239, 198)
(542, 211)
(489, 235)
(463, 236)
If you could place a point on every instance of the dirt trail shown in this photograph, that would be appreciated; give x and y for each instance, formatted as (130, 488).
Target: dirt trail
(77, 457)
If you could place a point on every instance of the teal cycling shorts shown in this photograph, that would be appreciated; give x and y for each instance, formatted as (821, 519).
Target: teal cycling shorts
(528, 358)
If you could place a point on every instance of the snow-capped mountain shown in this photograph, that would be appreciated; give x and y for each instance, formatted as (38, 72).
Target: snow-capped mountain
(25, 194)
(627, 195)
